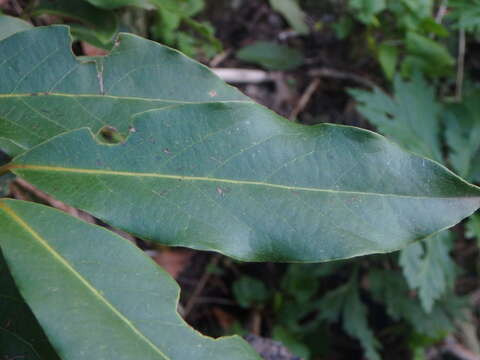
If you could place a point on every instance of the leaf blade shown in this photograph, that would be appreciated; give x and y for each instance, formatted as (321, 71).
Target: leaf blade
(256, 186)
(98, 293)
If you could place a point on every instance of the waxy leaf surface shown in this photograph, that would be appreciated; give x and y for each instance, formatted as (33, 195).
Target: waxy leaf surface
(45, 90)
(239, 179)
(96, 295)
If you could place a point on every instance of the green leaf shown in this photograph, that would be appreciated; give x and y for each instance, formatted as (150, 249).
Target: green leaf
(5, 179)
(10, 25)
(430, 26)
(113, 4)
(236, 178)
(271, 55)
(463, 136)
(45, 90)
(291, 342)
(429, 268)
(21, 337)
(421, 9)
(388, 56)
(249, 291)
(95, 294)
(391, 288)
(465, 13)
(343, 27)
(473, 228)
(184, 8)
(345, 302)
(292, 12)
(301, 281)
(101, 24)
(411, 117)
(436, 57)
(365, 10)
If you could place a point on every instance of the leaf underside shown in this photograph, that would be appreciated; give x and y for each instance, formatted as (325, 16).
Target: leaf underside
(238, 179)
(95, 294)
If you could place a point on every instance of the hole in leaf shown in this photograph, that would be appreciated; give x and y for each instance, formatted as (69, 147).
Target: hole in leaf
(110, 135)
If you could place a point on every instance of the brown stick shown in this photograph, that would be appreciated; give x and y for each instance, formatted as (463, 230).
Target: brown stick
(54, 202)
(305, 98)
(4, 169)
(200, 286)
(460, 65)
(453, 347)
(336, 74)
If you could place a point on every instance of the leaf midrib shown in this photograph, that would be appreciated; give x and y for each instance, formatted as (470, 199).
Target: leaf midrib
(118, 97)
(217, 180)
(13, 215)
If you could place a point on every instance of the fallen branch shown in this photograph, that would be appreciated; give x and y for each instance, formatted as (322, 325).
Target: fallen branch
(305, 98)
(454, 348)
(200, 286)
(242, 76)
(336, 74)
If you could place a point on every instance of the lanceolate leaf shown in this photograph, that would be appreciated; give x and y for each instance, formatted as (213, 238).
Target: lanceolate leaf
(45, 90)
(96, 295)
(238, 179)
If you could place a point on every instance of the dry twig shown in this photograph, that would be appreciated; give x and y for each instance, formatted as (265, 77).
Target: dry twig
(305, 98)
(200, 286)
(336, 74)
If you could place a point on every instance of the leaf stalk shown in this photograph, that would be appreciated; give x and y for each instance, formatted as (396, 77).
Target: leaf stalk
(4, 169)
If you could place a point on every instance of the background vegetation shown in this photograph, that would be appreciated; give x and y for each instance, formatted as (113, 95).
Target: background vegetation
(406, 68)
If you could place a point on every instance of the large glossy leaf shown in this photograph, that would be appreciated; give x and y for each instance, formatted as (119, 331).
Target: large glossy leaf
(237, 178)
(45, 90)
(96, 295)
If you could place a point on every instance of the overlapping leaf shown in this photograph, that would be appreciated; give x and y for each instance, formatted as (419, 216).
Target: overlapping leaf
(45, 90)
(238, 179)
(96, 295)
